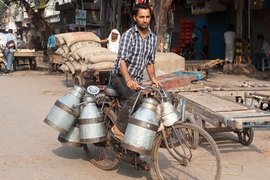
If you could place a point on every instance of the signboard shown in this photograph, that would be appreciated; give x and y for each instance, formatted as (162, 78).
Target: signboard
(207, 6)
(80, 18)
(40, 4)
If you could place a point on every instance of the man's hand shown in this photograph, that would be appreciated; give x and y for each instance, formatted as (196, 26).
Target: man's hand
(155, 83)
(131, 84)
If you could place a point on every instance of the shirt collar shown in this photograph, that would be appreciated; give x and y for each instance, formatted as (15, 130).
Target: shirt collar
(150, 33)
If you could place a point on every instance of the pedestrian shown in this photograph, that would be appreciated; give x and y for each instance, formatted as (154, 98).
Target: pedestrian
(205, 39)
(229, 39)
(112, 41)
(261, 51)
(51, 44)
(137, 50)
(51, 47)
(10, 45)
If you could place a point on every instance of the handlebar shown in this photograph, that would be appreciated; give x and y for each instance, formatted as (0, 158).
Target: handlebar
(160, 90)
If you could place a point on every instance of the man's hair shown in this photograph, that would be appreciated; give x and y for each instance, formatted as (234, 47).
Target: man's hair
(260, 36)
(204, 27)
(231, 26)
(140, 6)
(10, 31)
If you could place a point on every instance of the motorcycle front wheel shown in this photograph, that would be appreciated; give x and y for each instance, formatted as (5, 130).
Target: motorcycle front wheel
(174, 157)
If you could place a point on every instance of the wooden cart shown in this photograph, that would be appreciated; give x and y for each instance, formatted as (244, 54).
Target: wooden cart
(26, 58)
(217, 114)
(100, 77)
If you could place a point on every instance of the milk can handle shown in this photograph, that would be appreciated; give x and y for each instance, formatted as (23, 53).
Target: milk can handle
(132, 109)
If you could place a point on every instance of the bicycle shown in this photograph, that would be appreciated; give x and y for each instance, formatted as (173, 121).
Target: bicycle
(190, 52)
(180, 150)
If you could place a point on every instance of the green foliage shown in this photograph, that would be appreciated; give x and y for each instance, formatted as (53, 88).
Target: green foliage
(7, 2)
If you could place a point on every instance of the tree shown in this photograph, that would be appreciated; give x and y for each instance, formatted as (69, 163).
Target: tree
(36, 17)
(161, 9)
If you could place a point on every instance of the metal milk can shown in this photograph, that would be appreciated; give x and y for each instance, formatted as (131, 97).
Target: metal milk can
(169, 114)
(72, 138)
(91, 124)
(142, 128)
(63, 113)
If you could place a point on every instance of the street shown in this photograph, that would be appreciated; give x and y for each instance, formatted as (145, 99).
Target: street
(29, 148)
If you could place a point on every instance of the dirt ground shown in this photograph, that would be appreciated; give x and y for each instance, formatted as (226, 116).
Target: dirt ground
(29, 148)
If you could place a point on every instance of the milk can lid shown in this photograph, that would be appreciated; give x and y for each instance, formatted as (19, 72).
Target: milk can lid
(94, 90)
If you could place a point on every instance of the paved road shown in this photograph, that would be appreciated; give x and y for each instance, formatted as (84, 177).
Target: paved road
(29, 148)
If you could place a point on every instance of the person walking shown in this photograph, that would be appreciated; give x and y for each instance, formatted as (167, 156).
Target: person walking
(137, 52)
(10, 45)
(261, 51)
(51, 48)
(205, 39)
(51, 44)
(229, 39)
(112, 41)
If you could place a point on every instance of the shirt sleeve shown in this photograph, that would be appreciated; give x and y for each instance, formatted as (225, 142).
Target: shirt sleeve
(124, 46)
(153, 56)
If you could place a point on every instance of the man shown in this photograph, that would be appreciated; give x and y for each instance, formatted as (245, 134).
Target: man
(51, 42)
(229, 39)
(205, 39)
(9, 50)
(261, 51)
(136, 52)
(51, 48)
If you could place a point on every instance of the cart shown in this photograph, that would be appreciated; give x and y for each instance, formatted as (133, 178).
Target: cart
(100, 77)
(217, 114)
(26, 58)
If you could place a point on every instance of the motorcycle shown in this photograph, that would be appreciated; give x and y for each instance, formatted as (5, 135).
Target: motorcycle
(177, 149)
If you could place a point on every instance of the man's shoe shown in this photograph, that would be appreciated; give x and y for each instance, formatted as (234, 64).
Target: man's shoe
(7, 71)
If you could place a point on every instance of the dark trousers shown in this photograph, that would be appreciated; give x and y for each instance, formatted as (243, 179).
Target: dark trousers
(205, 51)
(129, 95)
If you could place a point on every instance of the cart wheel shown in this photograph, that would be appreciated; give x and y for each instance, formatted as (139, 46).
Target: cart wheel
(189, 118)
(194, 141)
(33, 65)
(14, 64)
(77, 81)
(246, 136)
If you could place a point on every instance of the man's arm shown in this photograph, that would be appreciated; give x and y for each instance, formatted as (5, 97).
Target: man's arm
(200, 29)
(151, 72)
(48, 43)
(131, 84)
(16, 42)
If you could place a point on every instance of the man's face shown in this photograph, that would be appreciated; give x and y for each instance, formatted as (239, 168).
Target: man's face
(142, 18)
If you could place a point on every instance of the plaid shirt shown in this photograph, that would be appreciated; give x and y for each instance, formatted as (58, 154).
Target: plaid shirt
(137, 52)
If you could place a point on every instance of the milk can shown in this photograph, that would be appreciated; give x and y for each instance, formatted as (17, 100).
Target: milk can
(91, 124)
(169, 114)
(64, 112)
(142, 127)
(72, 138)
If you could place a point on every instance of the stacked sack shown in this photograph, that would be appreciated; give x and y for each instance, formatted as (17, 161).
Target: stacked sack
(81, 51)
(2, 58)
